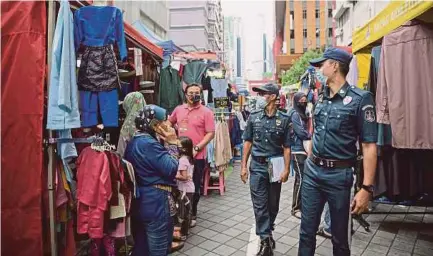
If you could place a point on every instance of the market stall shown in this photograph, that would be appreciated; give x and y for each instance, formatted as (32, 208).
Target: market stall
(395, 59)
(25, 214)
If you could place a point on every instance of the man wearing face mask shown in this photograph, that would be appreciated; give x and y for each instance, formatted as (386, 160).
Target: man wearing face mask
(195, 121)
(343, 114)
(266, 136)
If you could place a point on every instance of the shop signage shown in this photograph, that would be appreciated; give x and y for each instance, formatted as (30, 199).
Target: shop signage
(395, 14)
(221, 102)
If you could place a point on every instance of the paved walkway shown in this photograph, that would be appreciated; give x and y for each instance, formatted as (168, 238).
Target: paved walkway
(225, 226)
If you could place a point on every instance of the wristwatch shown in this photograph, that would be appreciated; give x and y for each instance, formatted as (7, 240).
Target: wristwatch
(368, 188)
(196, 148)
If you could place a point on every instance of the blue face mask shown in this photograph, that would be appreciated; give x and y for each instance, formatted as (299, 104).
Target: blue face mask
(321, 77)
(261, 102)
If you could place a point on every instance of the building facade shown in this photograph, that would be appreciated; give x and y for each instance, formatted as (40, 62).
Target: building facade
(153, 14)
(196, 25)
(350, 15)
(233, 47)
(300, 26)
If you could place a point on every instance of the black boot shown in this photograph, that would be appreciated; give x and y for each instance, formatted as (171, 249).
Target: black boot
(265, 248)
(272, 243)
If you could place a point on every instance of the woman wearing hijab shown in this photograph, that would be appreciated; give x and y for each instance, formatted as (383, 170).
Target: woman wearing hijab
(155, 172)
(299, 134)
(132, 104)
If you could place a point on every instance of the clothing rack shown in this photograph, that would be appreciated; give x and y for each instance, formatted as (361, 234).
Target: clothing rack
(359, 171)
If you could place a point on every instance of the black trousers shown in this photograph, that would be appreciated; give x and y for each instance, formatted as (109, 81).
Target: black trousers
(298, 167)
(197, 178)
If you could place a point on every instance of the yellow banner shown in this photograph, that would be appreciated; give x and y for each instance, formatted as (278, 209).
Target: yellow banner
(395, 14)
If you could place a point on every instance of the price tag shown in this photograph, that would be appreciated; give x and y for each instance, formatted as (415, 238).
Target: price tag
(221, 102)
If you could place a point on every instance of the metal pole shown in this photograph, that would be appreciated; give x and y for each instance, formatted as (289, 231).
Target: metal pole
(51, 153)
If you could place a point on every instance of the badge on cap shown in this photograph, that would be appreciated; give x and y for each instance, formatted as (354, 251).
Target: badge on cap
(347, 100)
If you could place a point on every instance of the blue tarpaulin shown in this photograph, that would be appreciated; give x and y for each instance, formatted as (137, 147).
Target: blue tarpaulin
(167, 45)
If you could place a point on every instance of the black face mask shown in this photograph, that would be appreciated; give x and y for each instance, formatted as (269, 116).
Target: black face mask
(302, 105)
(195, 98)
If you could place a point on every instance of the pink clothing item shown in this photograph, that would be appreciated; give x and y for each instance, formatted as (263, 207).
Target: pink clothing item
(93, 191)
(186, 186)
(194, 123)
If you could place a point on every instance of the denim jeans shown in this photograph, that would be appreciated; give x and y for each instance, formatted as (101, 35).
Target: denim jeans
(197, 177)
(265, 197)
(152, 225)
(321, 185)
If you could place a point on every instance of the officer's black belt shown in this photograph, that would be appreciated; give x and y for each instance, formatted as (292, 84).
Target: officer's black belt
(260, 159)
(331, 163)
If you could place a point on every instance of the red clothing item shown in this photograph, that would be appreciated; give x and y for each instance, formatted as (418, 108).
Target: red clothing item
(93, 191)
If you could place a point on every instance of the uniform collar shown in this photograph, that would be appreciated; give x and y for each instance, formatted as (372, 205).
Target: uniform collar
(276, 114)
(342, 92)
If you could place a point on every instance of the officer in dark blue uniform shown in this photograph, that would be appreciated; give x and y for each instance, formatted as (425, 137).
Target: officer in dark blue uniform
(266, 136)
(343, 115)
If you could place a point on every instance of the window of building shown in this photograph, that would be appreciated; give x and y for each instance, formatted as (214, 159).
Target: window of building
(317, 32)
(330, 32)
(317, 13)
(305, 49)
(330, 13)
(305, 33)
(304, 14)
(292, 51)
(292, 34)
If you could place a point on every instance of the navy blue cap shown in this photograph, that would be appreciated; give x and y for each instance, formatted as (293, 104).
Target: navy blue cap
(268, 88)
(333, 54)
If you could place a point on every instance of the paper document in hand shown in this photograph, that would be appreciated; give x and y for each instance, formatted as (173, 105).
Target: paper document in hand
(277, 168)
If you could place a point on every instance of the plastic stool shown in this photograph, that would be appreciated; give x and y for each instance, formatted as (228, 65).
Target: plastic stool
(220, 186)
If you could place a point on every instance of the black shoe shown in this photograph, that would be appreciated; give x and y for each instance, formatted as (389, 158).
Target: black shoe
(272, 243)
(265, 248)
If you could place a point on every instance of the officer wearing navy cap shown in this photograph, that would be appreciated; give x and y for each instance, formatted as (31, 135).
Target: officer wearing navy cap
(343, 115)
(266, 136)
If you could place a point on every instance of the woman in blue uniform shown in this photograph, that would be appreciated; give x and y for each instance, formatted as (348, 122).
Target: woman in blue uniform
(155, 170)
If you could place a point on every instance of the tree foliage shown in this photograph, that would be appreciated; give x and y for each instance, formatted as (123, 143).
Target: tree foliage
(299, 66)
(267, 75)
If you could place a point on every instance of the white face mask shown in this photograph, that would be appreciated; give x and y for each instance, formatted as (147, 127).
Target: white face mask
(321, 77)
(261, 102)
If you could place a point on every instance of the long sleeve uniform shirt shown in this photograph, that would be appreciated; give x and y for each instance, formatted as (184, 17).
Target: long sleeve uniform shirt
(100, 26)
(153, 164)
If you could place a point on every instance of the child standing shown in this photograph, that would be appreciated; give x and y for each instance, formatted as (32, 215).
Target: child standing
(185, 186)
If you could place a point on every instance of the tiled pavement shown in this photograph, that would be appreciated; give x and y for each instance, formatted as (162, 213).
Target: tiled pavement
(225, 227)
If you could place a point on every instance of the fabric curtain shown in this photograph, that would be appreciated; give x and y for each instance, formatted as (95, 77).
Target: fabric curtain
(23, 50)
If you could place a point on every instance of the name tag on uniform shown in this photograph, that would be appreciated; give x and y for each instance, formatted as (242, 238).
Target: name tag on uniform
(278, 122)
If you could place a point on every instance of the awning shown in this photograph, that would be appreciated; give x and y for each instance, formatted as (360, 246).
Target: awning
(131, 34)
(197, 55)
(395, 14)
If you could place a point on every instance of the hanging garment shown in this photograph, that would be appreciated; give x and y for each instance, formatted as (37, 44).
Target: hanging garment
(207, 86)
(98, 69)
(133, 103)
(219, 87)
(352, 76)
(404, 91)
(103, 103)
(235, 133)
(100, 26)
(62, 100)
(138, 61)
(384, 133)
(210, 152)
(193, 72)
(223, 149)
(170, 89)
(93, 192)
(242, 123)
